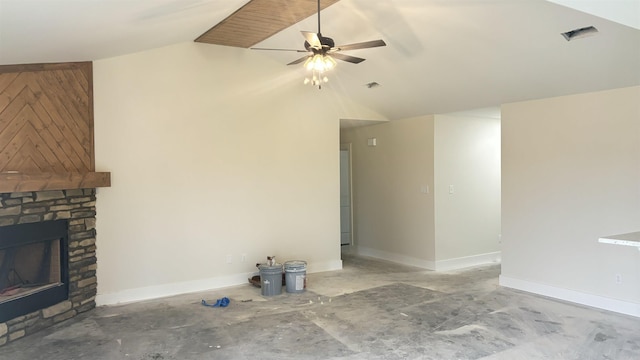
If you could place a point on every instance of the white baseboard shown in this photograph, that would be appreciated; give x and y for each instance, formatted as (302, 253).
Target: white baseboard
(440, 265)
(468, 261)
(600, 302)
(186, 287)
(397, 258)
(165, 290)
(326, 266)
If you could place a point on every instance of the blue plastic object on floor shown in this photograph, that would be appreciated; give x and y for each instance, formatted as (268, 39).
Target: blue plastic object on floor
(223, 302)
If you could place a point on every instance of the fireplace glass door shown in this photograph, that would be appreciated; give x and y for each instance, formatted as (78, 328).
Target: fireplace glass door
(33, 267)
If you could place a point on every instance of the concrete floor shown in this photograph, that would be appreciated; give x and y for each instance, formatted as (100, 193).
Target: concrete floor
(370, 310)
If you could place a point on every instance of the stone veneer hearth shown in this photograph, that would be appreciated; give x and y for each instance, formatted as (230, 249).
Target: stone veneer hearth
(78, 206)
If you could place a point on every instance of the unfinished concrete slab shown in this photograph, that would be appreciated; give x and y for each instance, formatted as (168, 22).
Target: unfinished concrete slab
(369, 310)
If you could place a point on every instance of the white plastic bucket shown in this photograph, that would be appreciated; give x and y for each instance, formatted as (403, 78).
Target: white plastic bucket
(295, 273)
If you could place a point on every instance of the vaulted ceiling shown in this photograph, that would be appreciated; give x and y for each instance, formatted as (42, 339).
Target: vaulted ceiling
(442, 56)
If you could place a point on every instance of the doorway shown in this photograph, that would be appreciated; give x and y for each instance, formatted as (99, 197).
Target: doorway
(346, 212)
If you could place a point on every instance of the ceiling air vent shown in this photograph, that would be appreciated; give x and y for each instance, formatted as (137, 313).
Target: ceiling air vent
(580, 33)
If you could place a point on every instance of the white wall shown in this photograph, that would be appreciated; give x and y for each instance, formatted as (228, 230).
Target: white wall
(467, 156)
(393, 219)
(213, 151)
(571, 174)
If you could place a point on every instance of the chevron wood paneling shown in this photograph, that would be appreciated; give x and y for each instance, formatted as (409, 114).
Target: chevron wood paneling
(46, 118)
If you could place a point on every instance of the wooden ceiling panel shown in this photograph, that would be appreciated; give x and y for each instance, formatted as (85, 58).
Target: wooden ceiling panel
(260, 19)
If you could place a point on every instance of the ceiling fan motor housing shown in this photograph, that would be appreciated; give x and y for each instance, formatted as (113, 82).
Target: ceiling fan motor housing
(326, 42)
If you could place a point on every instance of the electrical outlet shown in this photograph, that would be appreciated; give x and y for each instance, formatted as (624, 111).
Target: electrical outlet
(229, 259)
(619, 279)
(243, 257)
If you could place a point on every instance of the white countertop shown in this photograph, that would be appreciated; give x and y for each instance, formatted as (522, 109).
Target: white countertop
(628, 239)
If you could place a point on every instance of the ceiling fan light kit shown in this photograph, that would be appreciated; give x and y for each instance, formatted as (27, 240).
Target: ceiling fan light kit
(318, 64)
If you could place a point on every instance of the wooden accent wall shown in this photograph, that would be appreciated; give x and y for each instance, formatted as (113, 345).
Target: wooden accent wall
(46, 119)
(46, 127)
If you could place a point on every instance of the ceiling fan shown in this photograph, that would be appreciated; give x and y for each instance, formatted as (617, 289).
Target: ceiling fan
(322, 51)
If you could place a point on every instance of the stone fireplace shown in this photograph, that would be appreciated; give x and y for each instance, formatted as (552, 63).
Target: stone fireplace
(48, 187)
(46, 293)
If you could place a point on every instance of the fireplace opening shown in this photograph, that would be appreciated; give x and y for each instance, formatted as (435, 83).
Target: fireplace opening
(33, 267)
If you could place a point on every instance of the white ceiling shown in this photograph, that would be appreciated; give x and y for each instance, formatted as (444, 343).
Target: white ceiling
(442, 55)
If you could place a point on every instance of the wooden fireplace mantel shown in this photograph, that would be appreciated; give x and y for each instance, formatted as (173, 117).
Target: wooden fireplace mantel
(22, 182)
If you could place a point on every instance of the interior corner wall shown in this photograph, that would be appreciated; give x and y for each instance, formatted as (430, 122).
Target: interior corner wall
(392, 200)
(216, 162)
(571, 174)
(466, 190)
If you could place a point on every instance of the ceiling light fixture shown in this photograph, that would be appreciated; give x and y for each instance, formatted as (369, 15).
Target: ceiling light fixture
(318, 64)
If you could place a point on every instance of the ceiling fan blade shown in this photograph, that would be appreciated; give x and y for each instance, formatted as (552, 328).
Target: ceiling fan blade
(312, 38)
(347, 58)
(361, 45)
(299, 60)
(270, 49)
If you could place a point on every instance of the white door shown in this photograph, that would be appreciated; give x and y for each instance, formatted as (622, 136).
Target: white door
(346, 236)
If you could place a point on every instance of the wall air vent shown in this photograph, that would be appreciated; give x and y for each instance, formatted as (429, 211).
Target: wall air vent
(580, 33)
